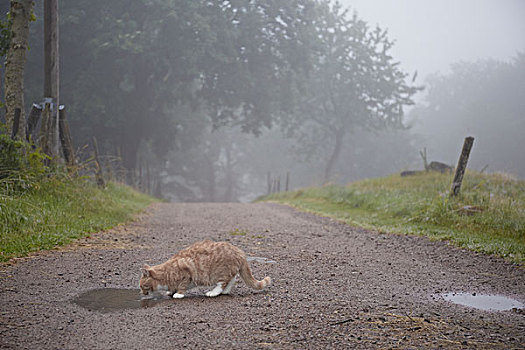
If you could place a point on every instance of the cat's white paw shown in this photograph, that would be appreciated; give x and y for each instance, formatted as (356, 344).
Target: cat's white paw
(178, 296)
(215, 291)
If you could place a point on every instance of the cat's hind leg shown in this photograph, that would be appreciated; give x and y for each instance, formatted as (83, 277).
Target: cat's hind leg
(229, 286)
(215, 291)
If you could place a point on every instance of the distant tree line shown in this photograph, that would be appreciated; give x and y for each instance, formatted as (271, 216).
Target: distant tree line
(485, 99)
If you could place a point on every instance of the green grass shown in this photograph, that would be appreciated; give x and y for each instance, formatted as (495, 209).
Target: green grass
(53, 212)
(421, 205)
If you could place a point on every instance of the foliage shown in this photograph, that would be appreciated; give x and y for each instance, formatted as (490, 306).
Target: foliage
(140, 61)
(421, 205)
(21, 164)
(59, 210)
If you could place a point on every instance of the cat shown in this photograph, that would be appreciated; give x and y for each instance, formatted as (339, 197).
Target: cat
(204, 263)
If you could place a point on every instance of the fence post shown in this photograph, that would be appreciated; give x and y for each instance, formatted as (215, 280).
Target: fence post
(43, 138)
(269, 181)
(423, 154)
(462, 166)
(98, 173)
(32, 120)
(65, 137)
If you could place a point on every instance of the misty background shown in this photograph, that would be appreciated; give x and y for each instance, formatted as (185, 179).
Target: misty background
(204, 101)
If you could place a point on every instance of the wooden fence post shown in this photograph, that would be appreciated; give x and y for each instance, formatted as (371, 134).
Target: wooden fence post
(65, 137)
(98, 172)
(423, 154)
(462, 166)
(287, 181)
(32, 120)
(43, 138)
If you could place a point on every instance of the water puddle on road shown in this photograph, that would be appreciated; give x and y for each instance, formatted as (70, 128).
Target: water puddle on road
(114, 299)
(483, 301)
(260, 260)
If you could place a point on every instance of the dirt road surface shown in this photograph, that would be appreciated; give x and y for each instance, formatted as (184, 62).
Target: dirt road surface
(334, 287)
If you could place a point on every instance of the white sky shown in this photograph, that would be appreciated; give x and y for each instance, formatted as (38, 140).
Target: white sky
(432, 34)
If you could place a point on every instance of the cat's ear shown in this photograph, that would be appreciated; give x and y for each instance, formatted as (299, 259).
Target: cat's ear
(146, 271)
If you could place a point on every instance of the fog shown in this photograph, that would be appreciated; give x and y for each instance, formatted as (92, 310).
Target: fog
(430, 38)
(208, 101)
(431, 35)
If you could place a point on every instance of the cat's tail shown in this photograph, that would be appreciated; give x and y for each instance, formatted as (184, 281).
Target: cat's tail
(246, 275)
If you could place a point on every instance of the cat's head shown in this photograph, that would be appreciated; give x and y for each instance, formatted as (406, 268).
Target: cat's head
(148, 283)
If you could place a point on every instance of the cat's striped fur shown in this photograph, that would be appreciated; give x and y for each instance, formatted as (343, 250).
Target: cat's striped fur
(204, 263)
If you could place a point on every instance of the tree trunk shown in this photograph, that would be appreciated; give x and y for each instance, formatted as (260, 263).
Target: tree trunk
(20, 11)
(339, 135)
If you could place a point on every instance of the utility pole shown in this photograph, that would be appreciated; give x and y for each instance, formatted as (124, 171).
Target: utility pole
(51, 72)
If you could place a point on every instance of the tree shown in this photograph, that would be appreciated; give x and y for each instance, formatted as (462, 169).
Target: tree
(19, 18)
(138, 61)
(484, 99)
(354, 84)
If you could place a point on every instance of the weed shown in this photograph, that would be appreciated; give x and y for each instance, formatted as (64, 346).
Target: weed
(238, 232)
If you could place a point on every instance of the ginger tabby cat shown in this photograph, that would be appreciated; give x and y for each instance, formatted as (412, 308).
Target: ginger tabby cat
(204, 263)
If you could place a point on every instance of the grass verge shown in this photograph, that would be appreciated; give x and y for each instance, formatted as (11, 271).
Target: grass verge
(56, 211)
(488, 216)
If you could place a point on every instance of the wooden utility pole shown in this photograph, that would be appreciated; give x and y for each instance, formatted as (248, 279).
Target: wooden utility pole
(51, 71)
(462, 166)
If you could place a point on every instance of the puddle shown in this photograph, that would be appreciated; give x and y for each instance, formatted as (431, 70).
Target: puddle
(483, 301)
(113, 299)
(260, 260)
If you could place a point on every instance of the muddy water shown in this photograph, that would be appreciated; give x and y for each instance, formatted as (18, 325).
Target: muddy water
(114, 299)
(483, 301)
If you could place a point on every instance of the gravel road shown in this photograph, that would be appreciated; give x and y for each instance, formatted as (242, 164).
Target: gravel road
(334, 287)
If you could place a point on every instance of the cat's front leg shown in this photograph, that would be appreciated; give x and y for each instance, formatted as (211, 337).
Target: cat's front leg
(181, 289)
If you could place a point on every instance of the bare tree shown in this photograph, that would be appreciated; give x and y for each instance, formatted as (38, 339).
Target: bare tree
(20, 15)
